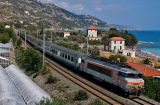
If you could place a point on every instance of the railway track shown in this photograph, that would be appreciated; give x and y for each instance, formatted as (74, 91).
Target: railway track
(145, 101)
(103, 94)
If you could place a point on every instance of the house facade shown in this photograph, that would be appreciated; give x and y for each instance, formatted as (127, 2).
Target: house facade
(66, 34)
(92, 33)
(117, 44)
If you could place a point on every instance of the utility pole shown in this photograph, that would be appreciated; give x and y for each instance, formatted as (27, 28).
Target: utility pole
(37, 36)
(43, 48)
(51, 36)
(25, 40)
(87, 45)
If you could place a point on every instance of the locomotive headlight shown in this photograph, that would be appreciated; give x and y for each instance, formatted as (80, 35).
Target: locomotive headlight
(129, 87)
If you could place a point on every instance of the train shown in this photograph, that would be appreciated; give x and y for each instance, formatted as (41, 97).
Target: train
(128, 80)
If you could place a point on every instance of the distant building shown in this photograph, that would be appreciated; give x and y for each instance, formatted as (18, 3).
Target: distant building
(129, 52)
(7, 26)
(116, 44)
(92, 33)
(26, 12)
(66, 34)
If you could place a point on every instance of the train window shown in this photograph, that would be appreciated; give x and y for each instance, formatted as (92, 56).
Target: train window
(56, 52)
(53, 50)
(69, 57)
(72, 59)
(140, 75)
(131, 75)
(63, 55)
(99, 69)
(122, 74)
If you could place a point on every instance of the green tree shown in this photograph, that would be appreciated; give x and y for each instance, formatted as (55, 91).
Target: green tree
(152, 88)
(32, 60)
(113, 30)
(6, 34)
(94, 51)
(4, 38)
(131, 40)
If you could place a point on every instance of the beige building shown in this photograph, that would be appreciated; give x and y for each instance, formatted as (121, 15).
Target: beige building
(117, 44)
(92, 33)
(66, 34)
(129, 52)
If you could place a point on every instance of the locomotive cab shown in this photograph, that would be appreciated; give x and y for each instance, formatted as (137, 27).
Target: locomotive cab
(132, 83)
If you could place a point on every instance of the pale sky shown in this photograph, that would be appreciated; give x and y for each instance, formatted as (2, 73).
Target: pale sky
(139, 13)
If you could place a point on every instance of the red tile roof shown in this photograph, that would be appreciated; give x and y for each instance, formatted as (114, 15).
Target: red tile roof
(117, 39)
(146, 70)
(92, 28)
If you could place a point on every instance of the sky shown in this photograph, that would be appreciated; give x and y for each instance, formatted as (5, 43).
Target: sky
(138, 13)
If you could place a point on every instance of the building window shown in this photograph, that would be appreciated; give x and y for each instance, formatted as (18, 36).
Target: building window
(120, 47)
(114, 47)
(115, 42)
(120, 42)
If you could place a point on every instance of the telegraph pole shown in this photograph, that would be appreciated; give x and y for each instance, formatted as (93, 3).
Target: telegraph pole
(37, 36)
(87, 45)
(25, 40)
(51, 36)
(43, 48)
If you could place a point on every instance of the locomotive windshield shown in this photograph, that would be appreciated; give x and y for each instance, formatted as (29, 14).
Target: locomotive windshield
(131, 75)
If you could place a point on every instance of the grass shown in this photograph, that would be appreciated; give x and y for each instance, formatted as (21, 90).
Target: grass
(97, 102)
(62, 88)
(52, 79)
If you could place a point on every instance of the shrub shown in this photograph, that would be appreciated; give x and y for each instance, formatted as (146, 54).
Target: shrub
(97, 102)
(52, 79)
(19, 43)
(94, 51)
(45, 70)
(122, 59)
(81, 95)
(4, 38)
(147, 61)
(55, 101)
